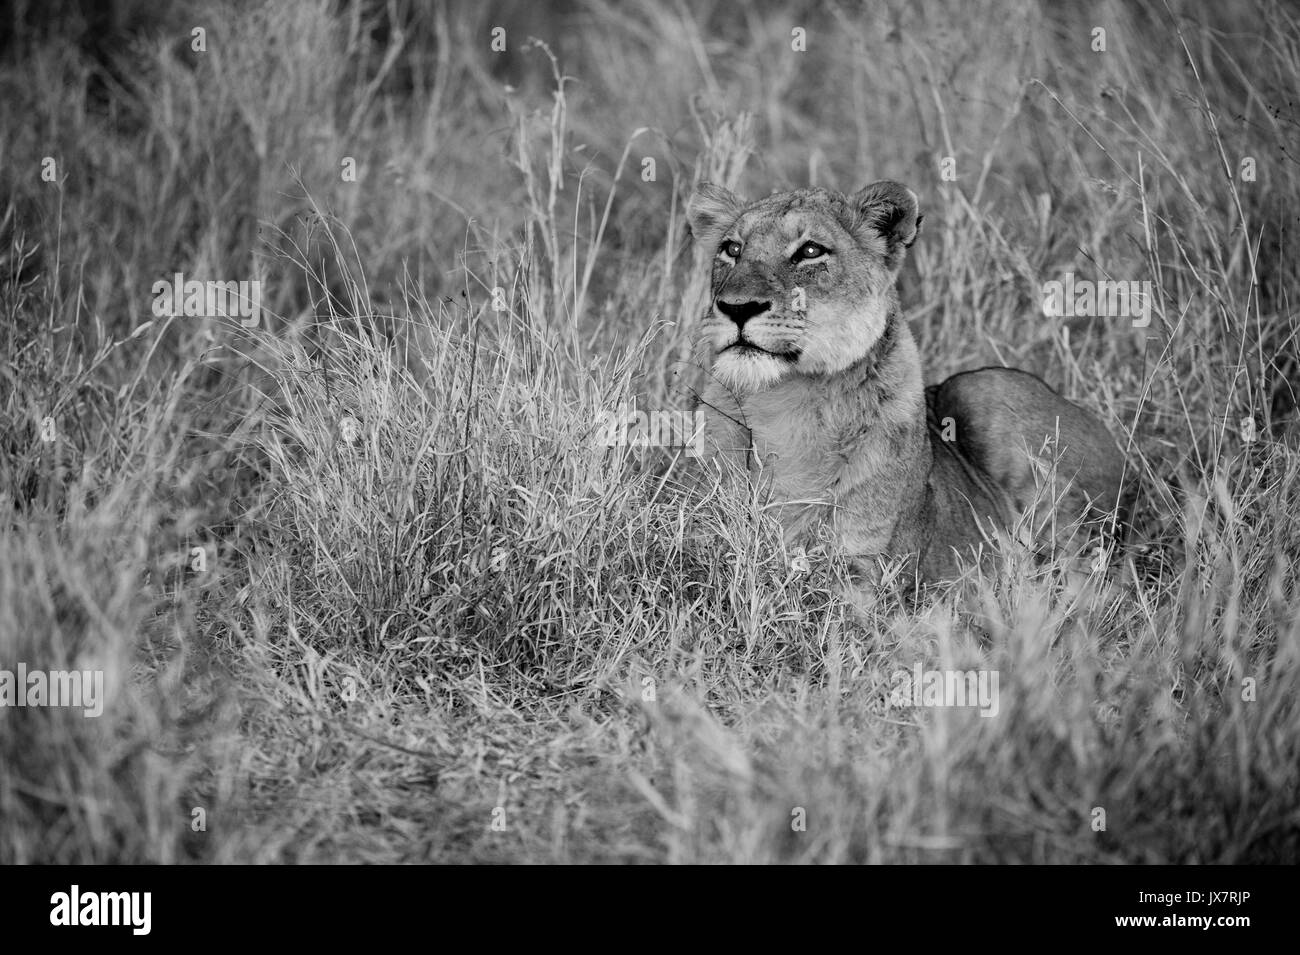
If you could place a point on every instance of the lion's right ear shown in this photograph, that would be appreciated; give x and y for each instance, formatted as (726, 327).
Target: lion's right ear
(711, 211)
(889, 209)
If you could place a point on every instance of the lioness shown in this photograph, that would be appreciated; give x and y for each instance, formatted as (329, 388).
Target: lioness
(815, 386)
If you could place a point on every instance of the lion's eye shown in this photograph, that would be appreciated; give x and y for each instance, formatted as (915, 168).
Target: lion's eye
(730, 248)
(810, 250)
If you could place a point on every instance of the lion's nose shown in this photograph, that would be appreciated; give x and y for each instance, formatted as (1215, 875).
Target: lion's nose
(741, 312)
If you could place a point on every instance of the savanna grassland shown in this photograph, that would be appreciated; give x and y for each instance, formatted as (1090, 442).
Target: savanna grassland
(367, 586)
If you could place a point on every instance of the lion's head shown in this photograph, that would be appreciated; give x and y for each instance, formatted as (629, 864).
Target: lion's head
(803, 282)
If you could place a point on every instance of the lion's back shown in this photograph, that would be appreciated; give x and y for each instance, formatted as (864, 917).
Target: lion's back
(1000, 419)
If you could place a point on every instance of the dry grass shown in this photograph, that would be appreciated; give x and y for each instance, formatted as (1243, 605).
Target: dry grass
(434, 601)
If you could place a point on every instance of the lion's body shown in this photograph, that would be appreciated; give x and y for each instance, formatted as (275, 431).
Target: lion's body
(817, 392)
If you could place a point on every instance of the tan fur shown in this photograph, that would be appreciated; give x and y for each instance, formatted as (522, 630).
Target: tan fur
(816, 391)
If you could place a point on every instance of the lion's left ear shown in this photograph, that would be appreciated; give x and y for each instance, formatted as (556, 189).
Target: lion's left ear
(890, 210)
(711, 211)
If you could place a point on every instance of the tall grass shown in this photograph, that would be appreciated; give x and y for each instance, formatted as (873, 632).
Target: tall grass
(439, 620)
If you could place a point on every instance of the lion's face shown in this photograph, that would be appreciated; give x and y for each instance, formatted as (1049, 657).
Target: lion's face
(803, 281)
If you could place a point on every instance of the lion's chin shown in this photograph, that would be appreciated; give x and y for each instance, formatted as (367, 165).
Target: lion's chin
(749, 370)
